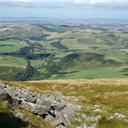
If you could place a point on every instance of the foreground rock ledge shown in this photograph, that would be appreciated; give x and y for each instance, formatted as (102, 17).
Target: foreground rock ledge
(58, 113)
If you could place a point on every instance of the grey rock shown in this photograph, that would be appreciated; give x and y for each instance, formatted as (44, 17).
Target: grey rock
(60, 126)
(59, 114)
(44, 102)
(119, 116)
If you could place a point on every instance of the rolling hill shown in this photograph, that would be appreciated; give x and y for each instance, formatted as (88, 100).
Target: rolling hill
(62, 52)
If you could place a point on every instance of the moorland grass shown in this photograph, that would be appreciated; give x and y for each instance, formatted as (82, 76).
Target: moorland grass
(110, 94)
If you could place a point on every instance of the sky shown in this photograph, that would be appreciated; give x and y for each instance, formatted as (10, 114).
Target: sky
(66, 9)
(74, 1)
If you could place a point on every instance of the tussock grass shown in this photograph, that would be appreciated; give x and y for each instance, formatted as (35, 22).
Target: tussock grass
(110, 94)
(4, 107)
(104, 123)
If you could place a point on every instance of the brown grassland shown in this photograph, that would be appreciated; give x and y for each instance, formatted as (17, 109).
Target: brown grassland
(110, 94)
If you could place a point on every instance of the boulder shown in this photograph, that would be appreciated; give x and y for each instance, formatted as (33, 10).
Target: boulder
(59, 114)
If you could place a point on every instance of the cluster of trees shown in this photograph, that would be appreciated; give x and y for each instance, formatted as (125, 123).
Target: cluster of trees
(28, 53)
(26, 74)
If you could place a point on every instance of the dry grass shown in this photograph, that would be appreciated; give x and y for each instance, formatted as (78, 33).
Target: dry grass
(110, 94)
(107, 92)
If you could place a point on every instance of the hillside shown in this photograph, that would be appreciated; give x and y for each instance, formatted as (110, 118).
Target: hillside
(103, 101)
(62, 52)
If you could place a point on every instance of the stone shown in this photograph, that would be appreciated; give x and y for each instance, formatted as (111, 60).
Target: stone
(97, 110)
(59, 114)
(119, 116)
(59, 107)
(84, 116)
(60, 126)
(44, 102)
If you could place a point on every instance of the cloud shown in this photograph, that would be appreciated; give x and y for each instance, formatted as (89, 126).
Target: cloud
(16, 0)
(35, 1)
(95, 2)
(24, 0)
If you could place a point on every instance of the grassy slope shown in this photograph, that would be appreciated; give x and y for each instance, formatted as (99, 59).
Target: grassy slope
(34, 121)
(11, 46)
(92, 73)
(86, 41)
(12, 61)
(110, 94)
(108, 43)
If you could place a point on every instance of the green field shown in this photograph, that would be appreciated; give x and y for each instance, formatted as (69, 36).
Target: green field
(56, 59)
(92, 73)
(58, 52)
(12, 61)
(9, 46)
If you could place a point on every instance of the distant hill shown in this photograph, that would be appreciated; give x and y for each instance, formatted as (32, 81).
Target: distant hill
(36, 51)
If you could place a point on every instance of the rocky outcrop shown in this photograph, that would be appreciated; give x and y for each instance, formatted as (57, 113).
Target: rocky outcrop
(57, 112)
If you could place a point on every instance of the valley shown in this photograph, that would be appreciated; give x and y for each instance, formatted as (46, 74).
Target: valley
(62, 51)
(63, 75)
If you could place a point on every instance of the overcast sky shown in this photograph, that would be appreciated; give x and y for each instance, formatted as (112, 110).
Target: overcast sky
(77, 9)
(75, 1)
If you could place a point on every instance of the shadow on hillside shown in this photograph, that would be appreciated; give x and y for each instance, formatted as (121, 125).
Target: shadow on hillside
(9, 121)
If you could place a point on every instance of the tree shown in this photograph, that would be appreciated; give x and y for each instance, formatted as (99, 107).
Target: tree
(27, 74)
